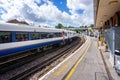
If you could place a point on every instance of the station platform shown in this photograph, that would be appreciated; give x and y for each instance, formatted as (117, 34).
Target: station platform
(86, 63)
(109, 61)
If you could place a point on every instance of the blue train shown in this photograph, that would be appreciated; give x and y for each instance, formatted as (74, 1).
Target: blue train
(16, 38)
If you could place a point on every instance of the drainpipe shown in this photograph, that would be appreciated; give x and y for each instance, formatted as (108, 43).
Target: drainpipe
(114, 45)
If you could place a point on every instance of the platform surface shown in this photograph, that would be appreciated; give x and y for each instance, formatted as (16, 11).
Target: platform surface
(91, 67)
(85, 64)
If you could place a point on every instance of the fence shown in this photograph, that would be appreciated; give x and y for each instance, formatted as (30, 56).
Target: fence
(112, 37)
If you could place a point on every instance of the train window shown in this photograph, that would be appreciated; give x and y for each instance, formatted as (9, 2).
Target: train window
(60, 34)
(65, 34)
(5, 37)
(56, 35)
(44, 35)
(35, 35)
(51, 35)
(21, 36)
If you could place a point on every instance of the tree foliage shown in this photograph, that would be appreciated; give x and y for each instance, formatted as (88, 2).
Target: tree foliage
(70, 27)
(92, 25)
(59, 26)
(83, 26)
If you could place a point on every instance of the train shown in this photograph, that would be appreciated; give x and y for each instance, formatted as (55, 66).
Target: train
(16, 38)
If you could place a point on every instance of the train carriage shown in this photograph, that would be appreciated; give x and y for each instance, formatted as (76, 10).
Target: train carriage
(15, 38)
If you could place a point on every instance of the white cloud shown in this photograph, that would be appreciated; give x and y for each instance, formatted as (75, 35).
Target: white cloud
(29, 11)
(86, 17)
(37, 1)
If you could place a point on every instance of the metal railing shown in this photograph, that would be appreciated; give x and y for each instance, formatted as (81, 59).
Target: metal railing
(112, 37)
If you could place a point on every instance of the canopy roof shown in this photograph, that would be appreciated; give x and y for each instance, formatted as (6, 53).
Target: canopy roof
(104, 10)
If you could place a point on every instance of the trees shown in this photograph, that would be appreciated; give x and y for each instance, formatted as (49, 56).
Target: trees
(84, 26)
(87, 26)
(70, 27)
(59, 26)
(92, 25)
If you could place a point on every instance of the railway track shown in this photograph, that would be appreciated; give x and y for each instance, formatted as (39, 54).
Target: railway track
(45, 60)
(22, 60)
(45, 70)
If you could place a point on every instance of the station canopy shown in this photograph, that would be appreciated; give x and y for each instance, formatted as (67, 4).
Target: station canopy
(104, 10)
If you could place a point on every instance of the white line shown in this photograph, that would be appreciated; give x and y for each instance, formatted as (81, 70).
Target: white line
(52, 70)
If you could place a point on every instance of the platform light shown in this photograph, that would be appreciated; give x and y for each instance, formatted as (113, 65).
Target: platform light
(113, 2)
(101, 22)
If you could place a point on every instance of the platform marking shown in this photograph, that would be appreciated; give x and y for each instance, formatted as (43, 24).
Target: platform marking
(97, 44)
(76, 65)
(62, 69)
(52, 70)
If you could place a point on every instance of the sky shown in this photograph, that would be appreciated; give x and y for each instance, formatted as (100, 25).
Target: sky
(48, 12)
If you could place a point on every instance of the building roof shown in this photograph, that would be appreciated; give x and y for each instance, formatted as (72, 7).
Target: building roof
(104, 10)
(17, 22)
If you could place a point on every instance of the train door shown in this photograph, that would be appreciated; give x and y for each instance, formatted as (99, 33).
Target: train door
(63, 36)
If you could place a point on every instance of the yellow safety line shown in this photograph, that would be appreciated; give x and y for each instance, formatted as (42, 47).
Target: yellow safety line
(61, 69)
(75, 66)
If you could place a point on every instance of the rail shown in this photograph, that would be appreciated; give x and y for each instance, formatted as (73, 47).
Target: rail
(44, 63)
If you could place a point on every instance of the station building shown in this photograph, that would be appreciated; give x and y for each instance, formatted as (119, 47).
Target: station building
(107, 20)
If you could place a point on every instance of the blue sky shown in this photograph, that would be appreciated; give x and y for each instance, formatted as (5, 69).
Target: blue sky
(48, 12)
(61, 5)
